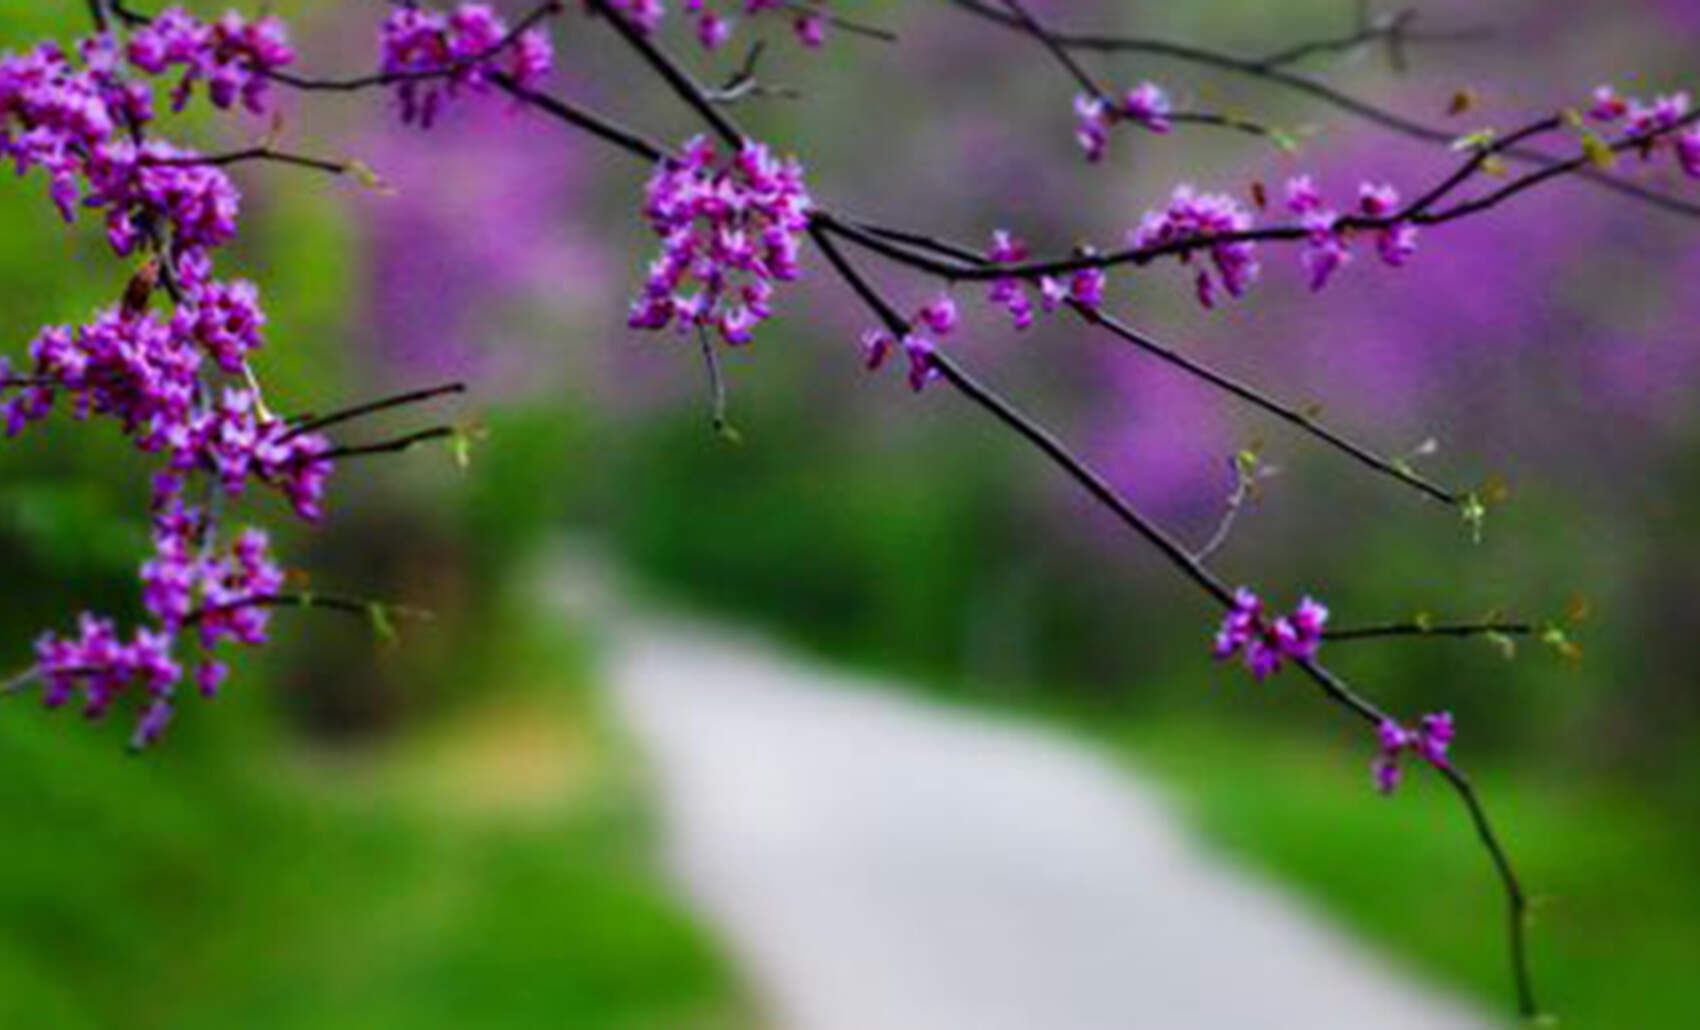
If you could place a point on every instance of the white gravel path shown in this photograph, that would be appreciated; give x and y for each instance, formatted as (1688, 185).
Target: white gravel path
(879, 863)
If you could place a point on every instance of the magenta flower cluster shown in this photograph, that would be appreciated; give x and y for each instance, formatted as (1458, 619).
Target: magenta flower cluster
(435, 56)
(1429, 741)
(714, 26)
(1213, 219)
(729, 231)
(1639, 119)
(232, 56)
(938, 318)
(84, 121)
(1083, 287)
(1095, 116)
(1325, 248)
(1264, 643)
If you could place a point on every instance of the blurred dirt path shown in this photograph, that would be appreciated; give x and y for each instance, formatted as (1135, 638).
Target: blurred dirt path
(878, 863)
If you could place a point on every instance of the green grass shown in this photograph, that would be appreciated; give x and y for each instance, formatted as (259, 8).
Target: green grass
(494, 870)
(1616, 927)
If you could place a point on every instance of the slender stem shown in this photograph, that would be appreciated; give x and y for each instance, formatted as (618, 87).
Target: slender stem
(1200, 370)
(1517, 905)
(716, 382)
(1429, 629)
(1061, 53)
(603, 129)
(1028, 429)
(1264, 402)
(314, 423)
(346, 605)
(1230, 514)
(675, 76)
(383, 447)
(1395, 30)
(1106, 43)
(260, 153)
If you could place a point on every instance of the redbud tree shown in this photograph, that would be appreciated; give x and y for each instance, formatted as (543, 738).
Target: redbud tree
(174, 362)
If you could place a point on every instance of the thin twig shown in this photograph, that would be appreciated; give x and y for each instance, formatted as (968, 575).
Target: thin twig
(1339, 99)
(1430, 629)
(257, 153)
(383, 447)
(314, 423)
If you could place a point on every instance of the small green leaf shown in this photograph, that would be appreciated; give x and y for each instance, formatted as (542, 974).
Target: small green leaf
(1598, 152)
(1506, 646)
(1555, 638)
(382, 627)
(369, 179)
(1481, 139)
(1284, 141)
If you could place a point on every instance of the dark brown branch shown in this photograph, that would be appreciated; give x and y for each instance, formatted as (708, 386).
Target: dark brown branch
(579, 118)
(1517, 905)
(676, 77)
(1430, 629)
(1396, 31)
(311, 85)
(383, 447)
(1339, 99)
(259, 153)
(313, 423)
(1221, 380)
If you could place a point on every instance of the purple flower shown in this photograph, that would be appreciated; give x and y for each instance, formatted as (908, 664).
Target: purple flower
(938, 315)
(1429, 741)
(728, 231)
(1265, 643)
(1608, 105)
(922, 368)
(713, 31)
(810, 30)
(234, 57)
(877, 346)
(1092, 129)
(1688, 152)
(440, 55)
(1204, 217)
(1147, 105)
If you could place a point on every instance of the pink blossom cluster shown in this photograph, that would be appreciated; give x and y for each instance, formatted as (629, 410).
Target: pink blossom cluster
(145, 373)
(1145, 105)
(186, 579)
(1264, 643)
(84, 121)
(1083, 287)
(1663, 114)
(75, 124)
(233, 56)
(1325, 248)
(713, 25)
(729, 231)
(103, 666)
(1429, 741)
(1206, 217)
(938, 317)
(434, 56)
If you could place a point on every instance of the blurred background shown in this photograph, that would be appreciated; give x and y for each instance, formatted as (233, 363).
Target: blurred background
(453, 829)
